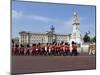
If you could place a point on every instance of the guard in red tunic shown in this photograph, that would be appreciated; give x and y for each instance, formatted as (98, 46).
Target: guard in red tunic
(58, 49)
(39, 49)
(61, 49)
(55, 49)
(34, 49)
(74, 48)
(27, 50)
(13, 49)
(47, 49)
(67, 49)
(16, 50)
(50, 48)
(64, 49)
(43, 50)
(21, 49)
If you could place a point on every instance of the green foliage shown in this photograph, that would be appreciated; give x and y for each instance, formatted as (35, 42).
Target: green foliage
(93, 39)
(86, 38)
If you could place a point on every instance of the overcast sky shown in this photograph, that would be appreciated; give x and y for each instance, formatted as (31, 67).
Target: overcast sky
(38, 17)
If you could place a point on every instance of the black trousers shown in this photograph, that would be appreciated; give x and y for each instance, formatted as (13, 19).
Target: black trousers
(16, 52)
(74, 52)
(22, 52)
(67, 52)
(52, 52)
(27, 52)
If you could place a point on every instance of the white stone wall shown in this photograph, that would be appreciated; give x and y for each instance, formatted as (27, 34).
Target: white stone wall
(30, 38)
(24, 39)
(85, 48)
(64, 38)
(37, 38)
(46, 38)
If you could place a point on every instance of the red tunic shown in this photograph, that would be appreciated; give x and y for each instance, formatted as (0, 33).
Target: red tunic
(33, 48)
(74, 47)
(59, 48)
(16, 49)
(28, 49)
(63, 47)
(39, 48)
(47, 47)
(53, 48)
(67, 48)
(12, 48)
(21, 49)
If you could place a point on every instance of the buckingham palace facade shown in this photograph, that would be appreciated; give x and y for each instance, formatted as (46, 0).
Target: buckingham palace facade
(49, 37)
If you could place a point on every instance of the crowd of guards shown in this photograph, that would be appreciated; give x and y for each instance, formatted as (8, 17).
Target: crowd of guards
(54, 49)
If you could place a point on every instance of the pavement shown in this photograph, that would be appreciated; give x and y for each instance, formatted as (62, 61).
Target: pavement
(40, 64)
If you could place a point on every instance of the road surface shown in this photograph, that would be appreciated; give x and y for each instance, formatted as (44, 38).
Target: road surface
(35, 64)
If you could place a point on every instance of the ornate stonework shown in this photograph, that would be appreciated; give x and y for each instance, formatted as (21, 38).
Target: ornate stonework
(76, 35)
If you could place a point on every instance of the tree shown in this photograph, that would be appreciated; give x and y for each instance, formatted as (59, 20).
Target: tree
(12, 41)
(86, 38)
(93, 39)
